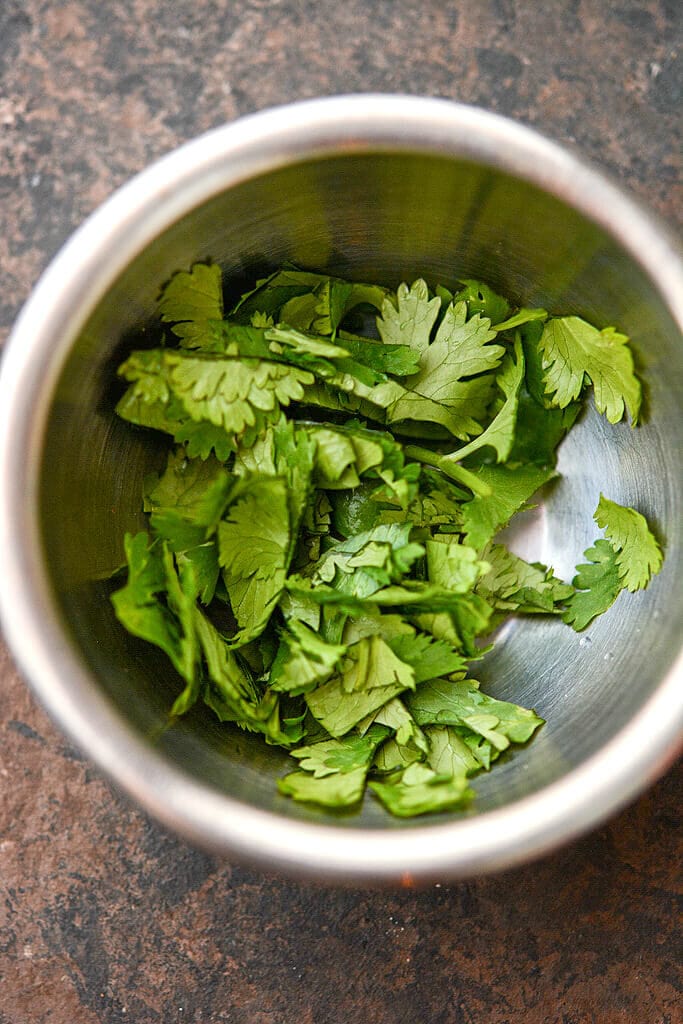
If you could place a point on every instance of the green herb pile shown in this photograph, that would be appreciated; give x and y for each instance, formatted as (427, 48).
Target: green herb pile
(321, 564)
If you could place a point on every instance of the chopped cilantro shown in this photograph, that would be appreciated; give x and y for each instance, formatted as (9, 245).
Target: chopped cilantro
(321, 564)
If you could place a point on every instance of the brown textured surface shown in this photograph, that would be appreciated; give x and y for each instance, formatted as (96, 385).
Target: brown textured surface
(103, 916)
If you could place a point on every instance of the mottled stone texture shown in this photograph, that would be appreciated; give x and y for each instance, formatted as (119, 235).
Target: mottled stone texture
(104, 917)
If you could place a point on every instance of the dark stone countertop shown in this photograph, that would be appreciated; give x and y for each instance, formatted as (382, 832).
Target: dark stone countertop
(103, 916)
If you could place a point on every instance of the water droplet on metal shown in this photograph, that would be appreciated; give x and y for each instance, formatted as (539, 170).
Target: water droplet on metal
(585, 641)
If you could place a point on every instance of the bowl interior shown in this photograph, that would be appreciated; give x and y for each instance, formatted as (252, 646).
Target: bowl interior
(385, 217)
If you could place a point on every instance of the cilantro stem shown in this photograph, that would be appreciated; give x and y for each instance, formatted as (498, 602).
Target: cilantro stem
(452, 470)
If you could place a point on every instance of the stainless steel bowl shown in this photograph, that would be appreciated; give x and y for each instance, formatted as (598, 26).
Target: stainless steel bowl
(385, 189)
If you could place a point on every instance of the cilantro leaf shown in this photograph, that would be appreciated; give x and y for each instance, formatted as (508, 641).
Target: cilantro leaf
(372, 663)
(500, 433)
(229, 690)
(597, 585)
(414, 597)
(392, 756)
(271, 293)
(519, 319)
(370, 676)
(201, 439)
(204, 561)
(323, 309)
(513, 584)
(334, 771)
(169, 623)
(227, 675)
(136, 604)
(340, 459)
(303, 344)
(345, 454)
(435, 507)
(232, 393)
(459, 621)
(339, 711)
(187, 485)
(253, 544)
(331, 757)
(231, 695)
(408, 744)
(343, 789)
(401, 360)
(409, 319)
(294, 453)
(364, 563)
(300, 607)
(186, 503)
(428, 657)
(639, 556)
(462, 703)
(298, 312)
(275, 344)
(464, 341)
(444, 391)
(480, 298)
(373, 622)
(181, 598)
(148, 401)
(534, 372)
(303, 659)
(574, 351)
(225, 398)
(627, 559)
(420, 790)
(196, 295)
(324, 302)
(448, 752)
(407, 733)
(435, 396)
(510, 491)
(539, 430)
(453, 565)
(366, 295)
